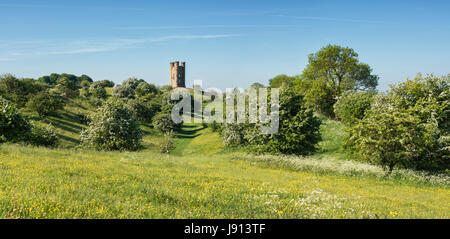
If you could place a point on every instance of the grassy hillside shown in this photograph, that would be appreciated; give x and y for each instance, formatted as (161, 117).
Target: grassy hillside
(202, 179)
(46, 183)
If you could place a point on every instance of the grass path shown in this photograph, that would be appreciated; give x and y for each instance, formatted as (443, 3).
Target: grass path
(194, 139)
(185, 136)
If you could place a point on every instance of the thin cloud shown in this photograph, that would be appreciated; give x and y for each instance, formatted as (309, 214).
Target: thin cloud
(42, 6)
(61, 47)
(330, 19)
(204, 26)
(191, 37)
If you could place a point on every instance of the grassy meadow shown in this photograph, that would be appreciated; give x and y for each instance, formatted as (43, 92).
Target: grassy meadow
(200, 179)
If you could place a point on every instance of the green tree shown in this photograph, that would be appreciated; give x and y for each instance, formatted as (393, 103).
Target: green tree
(19, 90)
(66, 87)
(279, 80)
(107, 83)
(299, 129)
(330, 72)
(53, 78)
(257, 85)
(45, 79)
(84, 78)
(45, 103)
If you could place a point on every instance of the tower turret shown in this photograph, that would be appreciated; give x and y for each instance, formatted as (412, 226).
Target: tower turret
(177, 74)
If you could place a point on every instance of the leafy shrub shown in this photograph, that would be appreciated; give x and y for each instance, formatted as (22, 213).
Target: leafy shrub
(141, 109)
(409, 127)
(427, 97)
(43, 136)
(131, 83)
(123, 91)
(233, 134)
(163, 122)
(352, 105)
(113, 127)
(13, 126)
(45, 104)
(97, 90)
(299, 129)
(16, 128)
(389, 136)
(166, 145)
(144, 89)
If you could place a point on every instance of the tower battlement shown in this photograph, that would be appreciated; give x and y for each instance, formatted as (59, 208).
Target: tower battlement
(177, 74)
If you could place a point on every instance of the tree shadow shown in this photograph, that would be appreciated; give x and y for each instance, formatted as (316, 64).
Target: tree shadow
(76, 141)
(189, 133)
(188, 136)
(64, 125)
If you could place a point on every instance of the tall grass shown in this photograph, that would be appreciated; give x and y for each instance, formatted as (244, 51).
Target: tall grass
(350, 168)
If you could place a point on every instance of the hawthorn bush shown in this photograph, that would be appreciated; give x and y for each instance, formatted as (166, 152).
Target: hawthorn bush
(163, 122)
(390, 137)
(97, 90)
(43, 136)
(298, 131)
(113, 127)
(233, 134)
(409, 127)
(14, 127)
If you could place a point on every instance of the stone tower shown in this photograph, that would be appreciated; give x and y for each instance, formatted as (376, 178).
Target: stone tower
(177, 74)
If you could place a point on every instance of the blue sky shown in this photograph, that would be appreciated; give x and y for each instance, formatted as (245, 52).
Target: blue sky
(225, 43)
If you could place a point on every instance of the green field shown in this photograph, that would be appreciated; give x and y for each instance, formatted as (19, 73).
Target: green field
(201, 179)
